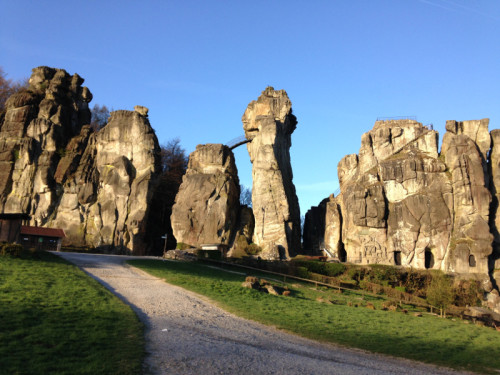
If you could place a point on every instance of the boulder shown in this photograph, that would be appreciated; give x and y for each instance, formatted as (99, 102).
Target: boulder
(207, 204)
(269, 123)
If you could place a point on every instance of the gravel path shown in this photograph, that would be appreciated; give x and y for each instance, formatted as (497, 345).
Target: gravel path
(186, 334)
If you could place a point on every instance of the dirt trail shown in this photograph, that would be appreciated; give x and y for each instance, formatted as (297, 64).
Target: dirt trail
(186, 334)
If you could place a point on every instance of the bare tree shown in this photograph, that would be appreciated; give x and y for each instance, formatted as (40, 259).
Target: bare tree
(100, 116)
(245, 196)
(7, 88)
(173, 162)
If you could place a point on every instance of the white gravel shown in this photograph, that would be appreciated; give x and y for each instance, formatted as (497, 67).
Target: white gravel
(186, 334)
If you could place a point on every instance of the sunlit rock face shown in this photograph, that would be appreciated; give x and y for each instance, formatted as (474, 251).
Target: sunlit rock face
(471, 240)
(269, 123)
(207, 205)
(38, 123)
(402, 203)
(106, 201)
(96, 186)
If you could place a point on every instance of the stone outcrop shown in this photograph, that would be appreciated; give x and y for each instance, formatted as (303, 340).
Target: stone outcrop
(38, 123)
(105, 203)
(494, 172)
(323, 229)
(268, 123)
(96, 186)
(207, 205)
(403, 203)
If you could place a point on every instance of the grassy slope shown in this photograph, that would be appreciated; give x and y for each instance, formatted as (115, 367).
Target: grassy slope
(429, 339)
(55, 319)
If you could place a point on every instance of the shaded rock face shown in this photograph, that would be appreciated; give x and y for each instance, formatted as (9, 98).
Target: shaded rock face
(314, 229)
(402, 203)
(494, 172)
(322, 230)
(96, 186)
(207, 204)
(268, 122)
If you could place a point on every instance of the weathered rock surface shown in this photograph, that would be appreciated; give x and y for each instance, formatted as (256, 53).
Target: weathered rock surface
(494, 172)
(322, 230)
(38, 123)
(403, 203)
(106, 200)
(314, 229)
(207, 204)
(96, 186)
(471, 240)
(268, 122)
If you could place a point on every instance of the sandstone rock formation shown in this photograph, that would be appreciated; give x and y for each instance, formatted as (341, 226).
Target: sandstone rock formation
(403, 203)
(106, 201)
(207, 205)
(494, 172)
(268, 122)
(96, 186)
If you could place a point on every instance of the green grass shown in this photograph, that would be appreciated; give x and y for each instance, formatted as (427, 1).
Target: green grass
(428, 338)
(54, 319)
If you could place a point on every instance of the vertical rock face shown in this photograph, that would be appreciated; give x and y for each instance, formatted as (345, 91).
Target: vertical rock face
(268, 122)
(471, 240)
(333, 229)
(322, 230)
(96, 186)
(402, 203)
(37, 126)
(494, 168)
(106, 200)
(207, 204)
(314, 229)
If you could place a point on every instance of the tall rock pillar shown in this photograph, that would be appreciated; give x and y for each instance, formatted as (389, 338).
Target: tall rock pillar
(269, 123)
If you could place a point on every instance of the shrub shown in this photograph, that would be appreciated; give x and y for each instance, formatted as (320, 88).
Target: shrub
(356, 274)
(468, 293)
(11, 249)
(440, 292)
(302, 272)
(253, 249)
(326, 269)
(384, 274)
(182, 246)
(416, 282)
(209, 254)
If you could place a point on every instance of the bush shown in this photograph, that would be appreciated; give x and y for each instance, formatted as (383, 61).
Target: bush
(182, 246)
(326, 269)
(468, 293)
(302, 272)
(387, 275)
(356, 274)
(440, 292)
(209, 254)
(253, 249)
(11, 249)
(416, 282)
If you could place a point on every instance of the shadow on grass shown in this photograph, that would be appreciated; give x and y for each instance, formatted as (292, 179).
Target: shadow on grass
(54, 319)
(46, 341)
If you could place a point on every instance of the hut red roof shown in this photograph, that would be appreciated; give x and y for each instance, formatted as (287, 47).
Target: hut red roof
(44, 232)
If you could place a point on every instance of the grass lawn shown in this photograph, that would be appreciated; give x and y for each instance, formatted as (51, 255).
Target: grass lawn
(427, 338)
(54, 319)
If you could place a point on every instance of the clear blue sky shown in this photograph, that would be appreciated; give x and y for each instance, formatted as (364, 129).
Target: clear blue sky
(197, 64)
